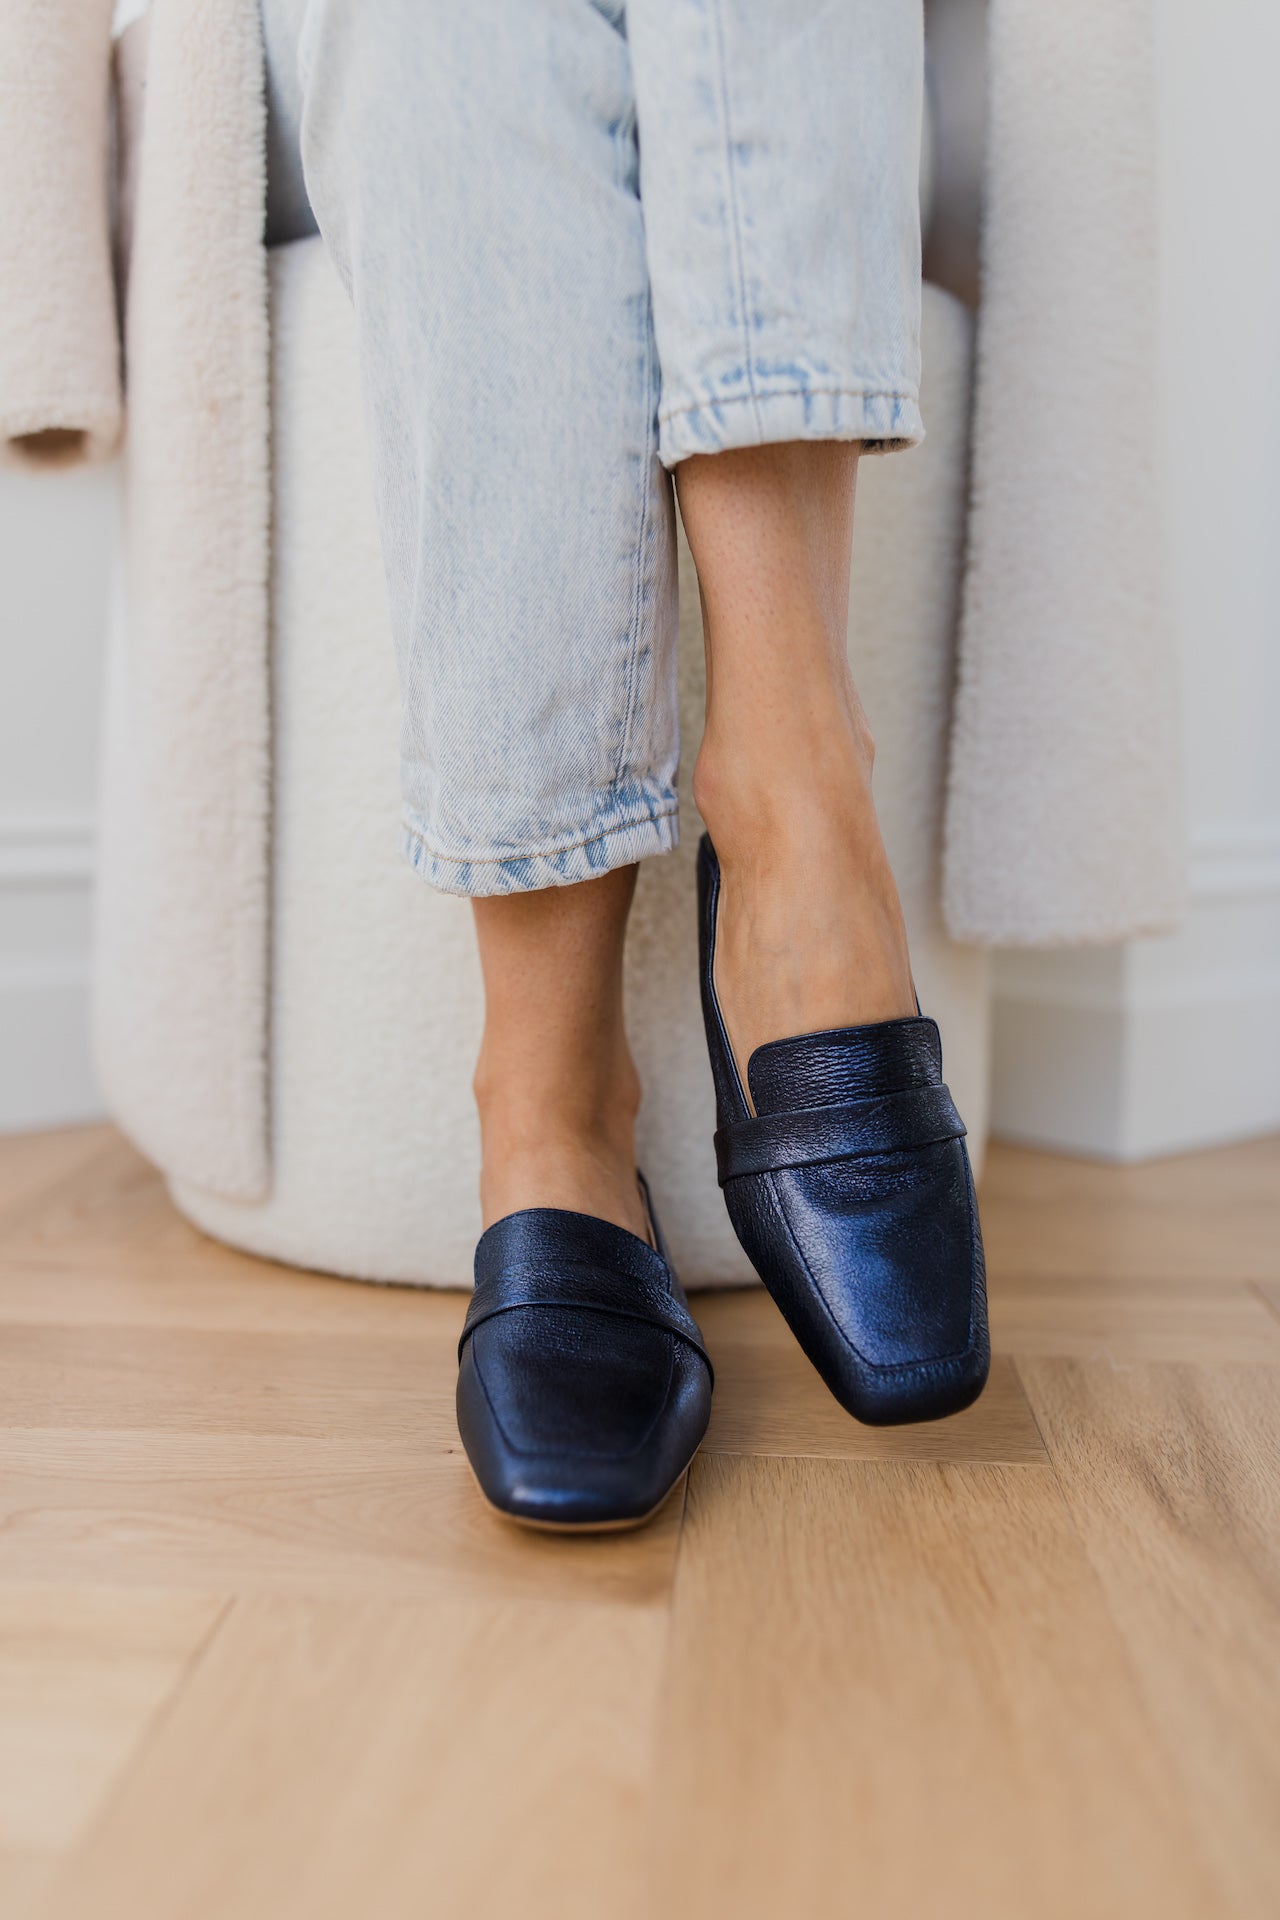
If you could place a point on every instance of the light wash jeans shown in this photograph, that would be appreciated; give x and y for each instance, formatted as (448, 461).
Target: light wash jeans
(584, 240)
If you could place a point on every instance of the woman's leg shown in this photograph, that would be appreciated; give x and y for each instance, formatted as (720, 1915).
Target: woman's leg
(474, 174)
(780, 178)
(780, 170)
(556, 1085)
(811, 931)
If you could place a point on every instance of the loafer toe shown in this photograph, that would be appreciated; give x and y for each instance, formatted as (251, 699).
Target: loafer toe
(877, 1263)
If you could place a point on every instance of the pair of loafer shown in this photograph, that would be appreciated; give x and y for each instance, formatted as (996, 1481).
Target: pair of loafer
(584, 1386)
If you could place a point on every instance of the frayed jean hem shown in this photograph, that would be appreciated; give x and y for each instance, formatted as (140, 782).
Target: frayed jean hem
(883, 422)
(481, 877)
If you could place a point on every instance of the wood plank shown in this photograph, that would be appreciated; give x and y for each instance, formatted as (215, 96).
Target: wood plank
(32, 1165)
(769, 1399)
(116, 1202)
(1202, 1216)
(1270, 1297)
(109, 1247)
(212, 1381)
(1122, 1318)
(255, 1512)
(335, 1759)
(1173, 1477)
(894, 1688)
(26, 1881)
(82, 1674)
(209, 1286)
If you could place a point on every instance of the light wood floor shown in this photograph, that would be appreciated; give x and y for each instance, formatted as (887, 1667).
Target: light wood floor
(264, 1656)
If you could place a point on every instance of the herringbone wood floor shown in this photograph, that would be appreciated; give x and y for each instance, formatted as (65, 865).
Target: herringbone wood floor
(264, 1654)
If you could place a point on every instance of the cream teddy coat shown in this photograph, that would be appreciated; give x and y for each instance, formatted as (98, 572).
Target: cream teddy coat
(1062, 817)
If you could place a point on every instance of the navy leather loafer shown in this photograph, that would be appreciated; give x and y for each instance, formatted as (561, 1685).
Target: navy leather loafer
(851, 1192)
(584, 1388)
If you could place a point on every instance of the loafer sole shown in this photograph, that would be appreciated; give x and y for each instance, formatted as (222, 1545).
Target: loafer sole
(631, 1524)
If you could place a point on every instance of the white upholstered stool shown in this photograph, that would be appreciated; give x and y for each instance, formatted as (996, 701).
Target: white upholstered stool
(376, 1004)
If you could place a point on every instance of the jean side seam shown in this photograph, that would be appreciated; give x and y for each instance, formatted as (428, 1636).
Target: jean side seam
(538, 853)
(642, 547)
(641, 544)
(735, 219)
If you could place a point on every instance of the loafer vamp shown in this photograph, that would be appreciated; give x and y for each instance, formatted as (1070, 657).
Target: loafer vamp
(568, 1380)
(889, 1244)
(598, 1467)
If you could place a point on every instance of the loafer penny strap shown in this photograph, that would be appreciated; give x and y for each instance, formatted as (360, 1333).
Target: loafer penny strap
(882, 1123)
(570, 1285)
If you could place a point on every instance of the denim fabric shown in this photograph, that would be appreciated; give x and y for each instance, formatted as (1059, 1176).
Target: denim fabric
(585, 240)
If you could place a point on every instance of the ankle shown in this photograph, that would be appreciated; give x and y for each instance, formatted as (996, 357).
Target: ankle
(778, 812)
(561, 1096)
(569, 1145)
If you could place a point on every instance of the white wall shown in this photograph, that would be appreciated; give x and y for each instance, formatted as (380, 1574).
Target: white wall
(1175, 1042)
(55, 542)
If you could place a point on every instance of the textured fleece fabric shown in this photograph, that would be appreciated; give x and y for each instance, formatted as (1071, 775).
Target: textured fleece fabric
(1061, 820)
(376, 994)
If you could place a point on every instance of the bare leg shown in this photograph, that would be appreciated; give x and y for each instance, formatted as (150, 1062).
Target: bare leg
(810, 929)
(556, 1085)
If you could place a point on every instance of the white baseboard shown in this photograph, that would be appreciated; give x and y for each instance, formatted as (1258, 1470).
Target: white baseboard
(1158, 1047)
(1131, 1083)
(47, 1078)
(46, 1069)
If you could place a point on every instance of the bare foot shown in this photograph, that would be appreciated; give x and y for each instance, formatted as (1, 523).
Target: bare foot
(809, 931)
(565, 1139)
(544, 1152)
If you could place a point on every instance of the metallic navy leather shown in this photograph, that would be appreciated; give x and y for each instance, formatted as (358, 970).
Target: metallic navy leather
(584, 1388)
(851, 1192)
